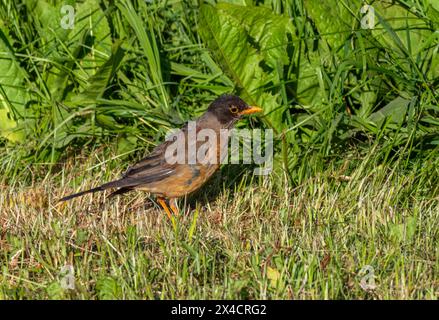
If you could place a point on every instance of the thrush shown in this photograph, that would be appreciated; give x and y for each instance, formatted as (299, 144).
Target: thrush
(183, 163)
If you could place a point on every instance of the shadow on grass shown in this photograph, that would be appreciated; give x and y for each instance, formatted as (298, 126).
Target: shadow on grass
(232, 178)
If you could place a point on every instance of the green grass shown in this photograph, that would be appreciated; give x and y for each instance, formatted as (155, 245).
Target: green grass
(355, 180)
(241, 239)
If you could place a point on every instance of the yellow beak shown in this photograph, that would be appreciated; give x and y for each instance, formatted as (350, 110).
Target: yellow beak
(251, 110)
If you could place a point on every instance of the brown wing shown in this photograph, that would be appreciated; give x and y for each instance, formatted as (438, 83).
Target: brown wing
(153, 167)
(150, 169)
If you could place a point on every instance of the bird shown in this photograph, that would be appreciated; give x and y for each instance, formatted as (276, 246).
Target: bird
(171, 170)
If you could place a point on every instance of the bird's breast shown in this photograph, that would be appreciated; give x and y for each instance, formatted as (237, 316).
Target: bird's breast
(185, 180)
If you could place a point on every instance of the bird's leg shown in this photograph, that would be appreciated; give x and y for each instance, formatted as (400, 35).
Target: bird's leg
(173, 205)
(165, 207)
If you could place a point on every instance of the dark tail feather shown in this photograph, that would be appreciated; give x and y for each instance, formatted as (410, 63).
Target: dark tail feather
(81, 193)
(119, 191)
(112, 184)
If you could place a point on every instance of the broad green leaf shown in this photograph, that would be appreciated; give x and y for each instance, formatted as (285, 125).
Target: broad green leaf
(13, 94)
(266, 29)
(126, 144)
(108, 288)
(274, 276)
(333, 20)
(86, 48)
(399, 29)
(65, 134)
(97, 84)
(430, 43)
(47, 20)
(395, 109)
(94, 90)
(248, 42)
(433, 13)
(434, 4)
(55, 291)
(91, 22)
(229, 42)
(308, 88)
(367, 100)
(403, 232)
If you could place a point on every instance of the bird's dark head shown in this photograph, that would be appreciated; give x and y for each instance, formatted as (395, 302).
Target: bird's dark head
(230, 108)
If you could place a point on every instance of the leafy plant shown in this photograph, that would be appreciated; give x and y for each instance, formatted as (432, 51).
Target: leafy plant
(251, 45)
(130, 70)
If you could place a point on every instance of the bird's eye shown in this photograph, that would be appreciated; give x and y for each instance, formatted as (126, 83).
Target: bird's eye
(234, 109)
